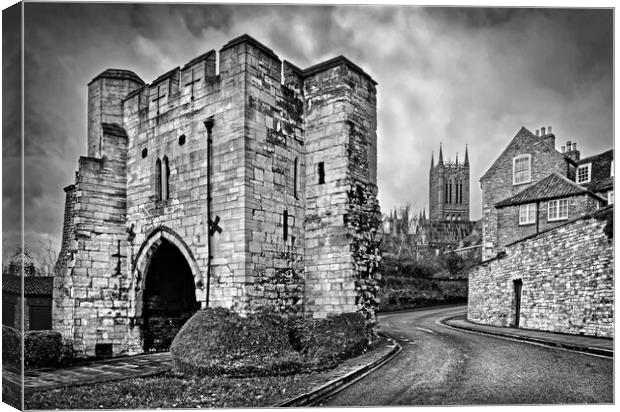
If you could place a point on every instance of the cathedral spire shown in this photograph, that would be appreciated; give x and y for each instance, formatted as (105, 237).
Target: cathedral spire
(457, 158)
(466, 156)
(432, 159)
(440, 155)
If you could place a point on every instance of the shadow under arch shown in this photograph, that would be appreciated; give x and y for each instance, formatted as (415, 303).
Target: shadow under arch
(166, 276)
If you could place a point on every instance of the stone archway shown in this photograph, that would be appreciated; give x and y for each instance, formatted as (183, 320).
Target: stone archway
(167, 276)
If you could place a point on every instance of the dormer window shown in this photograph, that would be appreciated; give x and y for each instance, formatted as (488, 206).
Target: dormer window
(584, 173)
(521, 169)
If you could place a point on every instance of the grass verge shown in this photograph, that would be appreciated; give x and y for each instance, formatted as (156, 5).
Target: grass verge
(170, 391)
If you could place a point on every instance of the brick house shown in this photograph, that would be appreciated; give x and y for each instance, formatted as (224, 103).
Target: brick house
(547, 239)
(552, 201)
(532, 165)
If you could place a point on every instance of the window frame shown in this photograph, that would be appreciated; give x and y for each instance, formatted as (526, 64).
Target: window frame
(514, 171)
(610, 194)
(532, 218)
(589, 177)
(558, 217)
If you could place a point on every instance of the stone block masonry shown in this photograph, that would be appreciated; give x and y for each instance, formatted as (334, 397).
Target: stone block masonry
(257, 180)
(565, 275)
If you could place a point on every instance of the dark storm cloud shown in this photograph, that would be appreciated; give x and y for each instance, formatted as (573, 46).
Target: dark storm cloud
(11, 128)
(451, 75)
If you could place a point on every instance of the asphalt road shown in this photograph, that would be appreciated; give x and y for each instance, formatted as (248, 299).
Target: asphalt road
(442, 366)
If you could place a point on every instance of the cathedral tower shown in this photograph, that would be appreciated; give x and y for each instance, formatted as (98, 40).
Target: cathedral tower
(449, 189)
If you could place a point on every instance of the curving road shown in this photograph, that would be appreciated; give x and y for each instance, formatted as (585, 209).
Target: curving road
(442, 366)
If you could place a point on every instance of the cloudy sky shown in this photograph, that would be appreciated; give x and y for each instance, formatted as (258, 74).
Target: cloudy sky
(452, 75)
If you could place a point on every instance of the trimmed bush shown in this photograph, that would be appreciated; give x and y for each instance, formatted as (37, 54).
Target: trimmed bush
(324, 342)
(42, 348)
(11, 347)
(219, 341)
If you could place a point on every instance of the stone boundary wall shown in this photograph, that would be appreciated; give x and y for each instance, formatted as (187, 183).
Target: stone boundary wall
(567, 280)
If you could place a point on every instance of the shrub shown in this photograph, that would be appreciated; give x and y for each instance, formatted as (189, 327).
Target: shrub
(323, 342)
(11, 347)
(42, 348)
(219, 341)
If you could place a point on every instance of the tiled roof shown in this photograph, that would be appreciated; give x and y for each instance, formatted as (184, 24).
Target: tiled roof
(38, 285)
(553, 186)
(11, 283)
(33, 285)
(600, 180)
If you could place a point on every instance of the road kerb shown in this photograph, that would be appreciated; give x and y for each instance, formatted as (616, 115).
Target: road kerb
(336, 385)
(584, 349)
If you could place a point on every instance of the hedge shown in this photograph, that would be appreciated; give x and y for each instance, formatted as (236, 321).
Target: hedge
(11, 347)
(42, 348)
(217, 341)
(324, 342)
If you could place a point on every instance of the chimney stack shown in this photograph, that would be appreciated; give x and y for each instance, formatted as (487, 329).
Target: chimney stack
(537, 132)
(571, 150)
(549, 129)
(542, 131)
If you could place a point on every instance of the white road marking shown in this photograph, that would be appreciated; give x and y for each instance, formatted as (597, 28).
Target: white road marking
(426, 330)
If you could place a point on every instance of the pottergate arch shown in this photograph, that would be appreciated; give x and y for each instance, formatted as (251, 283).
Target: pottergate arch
(167, 277)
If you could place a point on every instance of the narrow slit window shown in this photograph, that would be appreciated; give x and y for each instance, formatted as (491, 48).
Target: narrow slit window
(158, 179)
(165, 176)
(295, 171)
(285, 225)
(321, 171)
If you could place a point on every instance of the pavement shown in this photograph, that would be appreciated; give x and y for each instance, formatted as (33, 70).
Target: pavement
(98, 371)
(586, 344)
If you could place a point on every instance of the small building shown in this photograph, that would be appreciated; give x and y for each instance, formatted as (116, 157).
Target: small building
(38, 301)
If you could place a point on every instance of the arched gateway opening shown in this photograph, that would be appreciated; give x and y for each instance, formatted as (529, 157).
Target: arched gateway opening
(169, 297)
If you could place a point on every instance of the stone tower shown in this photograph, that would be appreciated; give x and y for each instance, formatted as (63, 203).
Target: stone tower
(449, 189)
(252, 186)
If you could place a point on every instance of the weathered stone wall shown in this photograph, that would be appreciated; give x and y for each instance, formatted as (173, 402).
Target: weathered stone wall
(90, 299)
(340, 121)
(509, 230)
(497, 183)
(567, 275)
(275, 198)
(241, 147)
(68, 230)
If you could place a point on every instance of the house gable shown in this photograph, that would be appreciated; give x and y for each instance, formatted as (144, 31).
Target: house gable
(523, 140)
